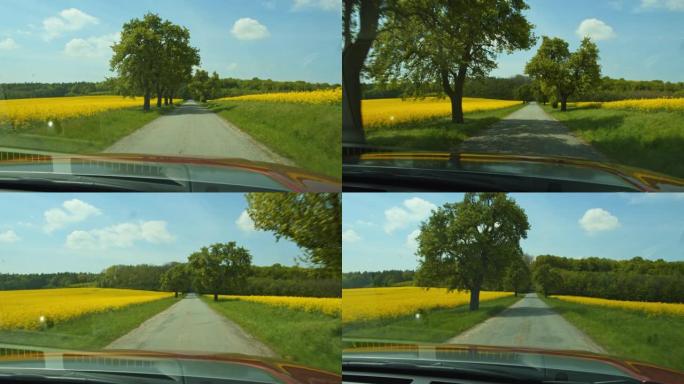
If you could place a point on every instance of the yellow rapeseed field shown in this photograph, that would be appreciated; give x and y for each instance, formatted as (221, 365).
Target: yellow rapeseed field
(644, 306)
(324, 96)
(23, 309)
(327, 305)
(385, 112)
(646, 105)
(56, 108)
(360, 304)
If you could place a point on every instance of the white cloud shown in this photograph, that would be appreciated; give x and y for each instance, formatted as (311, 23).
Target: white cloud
(414, 210)
(8, 44)
(595, 29)
(412, 240)
(232, 66)
(71, 19)
(597, 220)
(350, 236)
(326, 5)
(99, 46)
(73, 211)
(245, 223)
(671, 5)
(9, 236)
(120, 235)
(249, 29)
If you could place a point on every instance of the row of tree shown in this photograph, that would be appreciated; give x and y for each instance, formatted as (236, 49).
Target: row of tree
(14, 281)
(386, 278)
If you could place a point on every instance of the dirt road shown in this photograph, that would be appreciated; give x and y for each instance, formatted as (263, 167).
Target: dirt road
(193, 130)
(191, 326)
(530, 131)
(528, 323)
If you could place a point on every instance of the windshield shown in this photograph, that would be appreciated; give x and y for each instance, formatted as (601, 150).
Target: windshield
(256, 82)
(548, 282)
(521, 78)
(211, 285)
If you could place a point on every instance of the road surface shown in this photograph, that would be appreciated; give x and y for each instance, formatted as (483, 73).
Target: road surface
(191, 326)
(530, 131)
(193, 130)
(528, 323)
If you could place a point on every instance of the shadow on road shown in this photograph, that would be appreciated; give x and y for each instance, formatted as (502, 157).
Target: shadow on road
(526, 312)
(192, 110)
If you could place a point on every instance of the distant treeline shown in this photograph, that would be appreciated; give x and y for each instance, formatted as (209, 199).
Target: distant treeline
(377, 279)
(635, 279)
(229, 87)
(275, 280)
(508, 89)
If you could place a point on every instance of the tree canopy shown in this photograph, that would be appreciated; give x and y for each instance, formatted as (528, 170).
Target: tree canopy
(562, 73)
(312, 220)
(465, 244)
(220, 267)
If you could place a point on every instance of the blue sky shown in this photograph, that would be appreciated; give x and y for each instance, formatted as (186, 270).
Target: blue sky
(378, 229)
(53, 232)
(637, 39)
(60, 40)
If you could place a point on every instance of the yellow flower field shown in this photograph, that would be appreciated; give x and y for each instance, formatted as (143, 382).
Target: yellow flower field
(324, 96)
(360, 304)
(384, 112)
(644, 306)
(56, 108)
(646, 105)
(23, 309)
(327, 305)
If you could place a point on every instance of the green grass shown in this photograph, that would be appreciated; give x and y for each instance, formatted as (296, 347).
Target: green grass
(648, 140)
(309, 135)
(435, 134)
(88, 134)
(89, 332)
(629, 334)
(435, 326)
(311, 339)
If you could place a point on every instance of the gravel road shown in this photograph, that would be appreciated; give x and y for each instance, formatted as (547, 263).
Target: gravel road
(191, 325)
(528, 323)
(193, 130)
(530, 131)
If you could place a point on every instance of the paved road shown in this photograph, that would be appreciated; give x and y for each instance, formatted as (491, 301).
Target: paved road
(528, 323)
(530, 131)
(192, 130)
(191, 326)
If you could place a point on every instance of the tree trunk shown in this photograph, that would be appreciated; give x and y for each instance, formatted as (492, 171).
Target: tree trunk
(146, 105)
(166, 101)
(515, 293)
(456, 109)
(353, 57)
(564, 103)
(159, 98)
(176, 294)
(215, 296)
(475, 299)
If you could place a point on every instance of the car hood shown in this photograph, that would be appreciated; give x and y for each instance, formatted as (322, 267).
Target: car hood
(164, 364)
(535, 357)
(183, 169)
(548, 167)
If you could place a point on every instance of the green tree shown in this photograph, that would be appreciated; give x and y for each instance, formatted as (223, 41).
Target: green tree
(524, 93)
(176, 279)
(518, 276)
(547, 278)
(204, 87)
(176, 63)
(562, 73)
(428, 42)
(463, 245)
(312, 220)
(220, 267)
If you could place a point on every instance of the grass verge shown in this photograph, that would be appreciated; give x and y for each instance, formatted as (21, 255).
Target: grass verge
(311, 339)
(87, 134)
(648, 140)
(435, 134)
(308, 134)
(89, 332)
(628, 334)
(435, 326)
